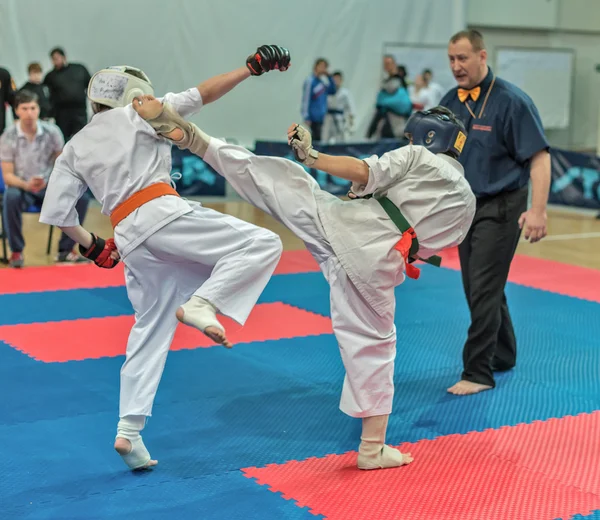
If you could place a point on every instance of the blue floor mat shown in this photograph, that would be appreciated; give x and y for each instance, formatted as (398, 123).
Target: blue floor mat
(218, 411)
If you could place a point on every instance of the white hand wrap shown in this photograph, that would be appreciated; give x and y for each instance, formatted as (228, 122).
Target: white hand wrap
(301, 143)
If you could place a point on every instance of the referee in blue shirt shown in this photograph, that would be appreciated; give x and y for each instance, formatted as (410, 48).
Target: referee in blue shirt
(505, 149)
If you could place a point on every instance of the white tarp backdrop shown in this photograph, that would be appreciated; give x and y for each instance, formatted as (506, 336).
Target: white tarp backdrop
(546, 75)
(179, 43)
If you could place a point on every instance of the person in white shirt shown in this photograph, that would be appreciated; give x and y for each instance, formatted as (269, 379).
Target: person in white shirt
(341, 114)
(437, 92)
(421, 95)
(182, 261)
(412, 203)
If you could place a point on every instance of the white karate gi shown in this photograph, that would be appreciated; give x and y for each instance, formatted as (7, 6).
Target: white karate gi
(353, 242)
(341, 115)
(172, 248)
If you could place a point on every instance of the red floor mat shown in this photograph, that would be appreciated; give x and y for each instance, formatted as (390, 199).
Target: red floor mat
(59, 278)
(300, 261)
(62, 341)
(88, 276)
(547, 275)
(539, 471)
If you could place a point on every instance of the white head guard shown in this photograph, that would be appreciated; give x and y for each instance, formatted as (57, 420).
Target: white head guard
(117, 86)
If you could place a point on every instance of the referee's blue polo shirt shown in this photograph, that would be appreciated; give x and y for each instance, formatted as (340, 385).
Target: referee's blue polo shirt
(504, 133)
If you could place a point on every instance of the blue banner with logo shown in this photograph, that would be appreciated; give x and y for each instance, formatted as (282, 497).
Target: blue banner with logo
(193, 177)
(575, 179)
(575, 176)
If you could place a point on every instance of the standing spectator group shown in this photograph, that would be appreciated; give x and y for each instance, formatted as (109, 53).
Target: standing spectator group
(329, 112)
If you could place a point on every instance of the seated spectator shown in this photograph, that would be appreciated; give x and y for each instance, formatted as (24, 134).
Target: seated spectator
(28, 150)
(393, 106)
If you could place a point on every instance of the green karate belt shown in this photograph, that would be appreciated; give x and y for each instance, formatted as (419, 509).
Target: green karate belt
(402, 224)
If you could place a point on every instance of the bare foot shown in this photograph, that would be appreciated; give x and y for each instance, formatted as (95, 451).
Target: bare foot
(214, 333)
(148, 107)
(123, 447)
(406, 458)
(468, 388)
(217, 336)
(174, 135)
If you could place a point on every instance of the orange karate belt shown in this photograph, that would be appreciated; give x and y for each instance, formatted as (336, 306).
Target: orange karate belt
(140, 198)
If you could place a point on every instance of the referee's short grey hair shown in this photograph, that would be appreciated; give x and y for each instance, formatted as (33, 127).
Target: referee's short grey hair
(475, 37)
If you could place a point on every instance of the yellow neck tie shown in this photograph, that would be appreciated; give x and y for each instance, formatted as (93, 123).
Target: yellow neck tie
(464, 94)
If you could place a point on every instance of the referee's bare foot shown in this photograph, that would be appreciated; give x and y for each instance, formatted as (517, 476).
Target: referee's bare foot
(468, 388)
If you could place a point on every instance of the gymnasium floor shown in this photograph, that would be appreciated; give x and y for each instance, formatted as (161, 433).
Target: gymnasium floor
(255, 432)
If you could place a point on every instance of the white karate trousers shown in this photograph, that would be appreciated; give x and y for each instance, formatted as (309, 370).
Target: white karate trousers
(366, 340)
(205, 253)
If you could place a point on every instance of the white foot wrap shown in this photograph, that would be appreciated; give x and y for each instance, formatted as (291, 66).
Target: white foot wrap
(139, 456)
(129, 428)
(373, 453)
(200, 314)
(386, 457)
(194, 139)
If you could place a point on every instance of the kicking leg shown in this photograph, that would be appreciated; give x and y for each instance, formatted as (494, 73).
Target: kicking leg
(168, 123)
(277, 186)
(367, 344)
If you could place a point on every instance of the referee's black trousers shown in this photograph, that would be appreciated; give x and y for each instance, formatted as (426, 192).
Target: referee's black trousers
(485, 258)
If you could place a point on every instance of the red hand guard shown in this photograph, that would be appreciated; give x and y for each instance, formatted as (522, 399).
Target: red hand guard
(100, 251)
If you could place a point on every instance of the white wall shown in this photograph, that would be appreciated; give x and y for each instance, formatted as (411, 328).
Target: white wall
(579, 15)
(182, 42)
(541, 14)
(569, 15)
(572, 24)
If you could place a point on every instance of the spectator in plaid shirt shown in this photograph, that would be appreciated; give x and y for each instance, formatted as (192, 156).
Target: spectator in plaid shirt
(28, 150)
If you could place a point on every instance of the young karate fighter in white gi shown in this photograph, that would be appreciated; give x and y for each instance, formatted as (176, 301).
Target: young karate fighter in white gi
(363, 246)
(182, 261)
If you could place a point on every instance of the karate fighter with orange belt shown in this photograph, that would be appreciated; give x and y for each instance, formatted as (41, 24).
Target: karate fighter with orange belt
(182, 261)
